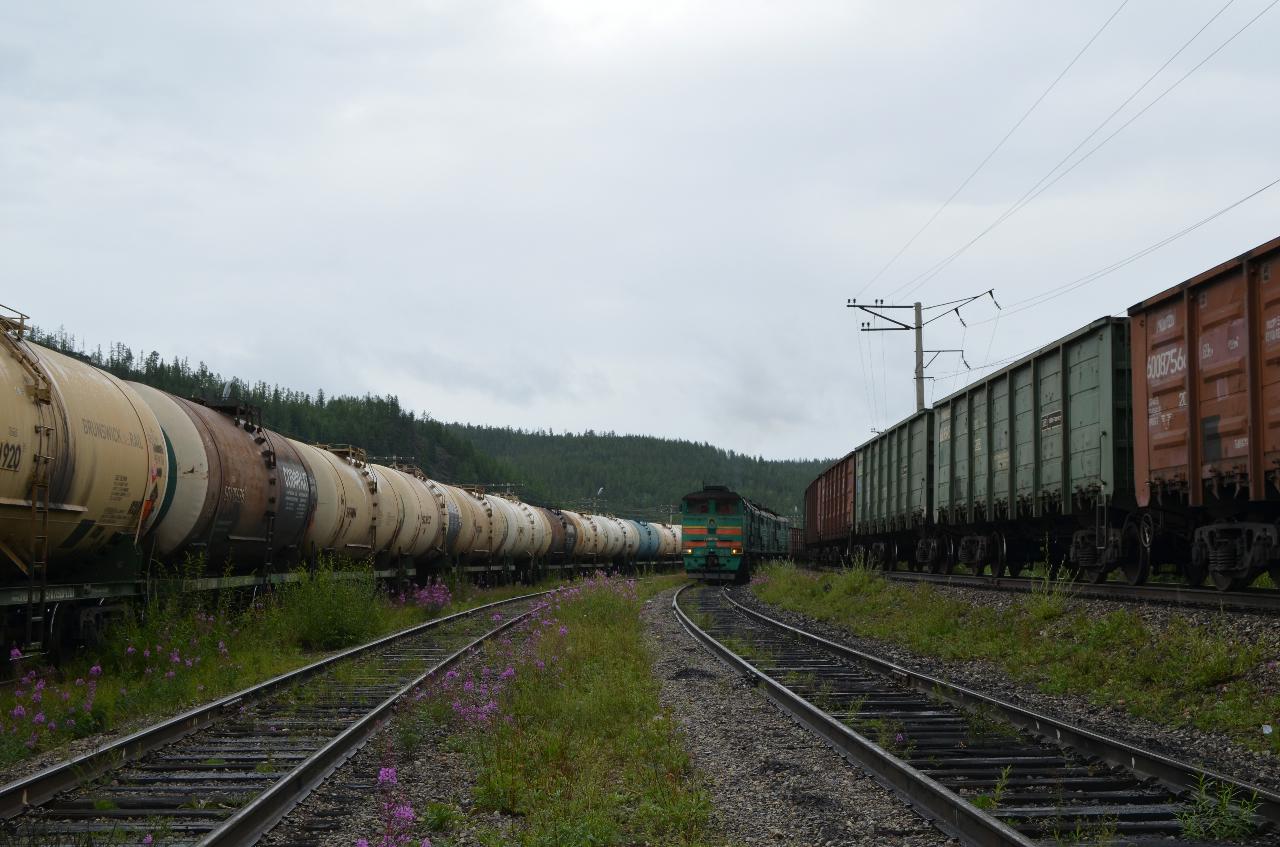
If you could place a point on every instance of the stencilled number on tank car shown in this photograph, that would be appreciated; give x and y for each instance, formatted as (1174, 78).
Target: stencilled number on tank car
(10, 456)
(233, 494)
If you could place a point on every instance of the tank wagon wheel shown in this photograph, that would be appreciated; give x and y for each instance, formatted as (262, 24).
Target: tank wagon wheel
(1135, 550)
(1229, 582)
(889, 562)
(1197, 567)
(999, 554)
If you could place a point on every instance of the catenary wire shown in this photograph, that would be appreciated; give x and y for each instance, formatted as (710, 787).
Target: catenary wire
(1079, 282)
(1041, 185)
(991, 154)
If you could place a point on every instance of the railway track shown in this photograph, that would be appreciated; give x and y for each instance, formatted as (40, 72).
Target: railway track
(985, 771)
(1255, 600)
(226, 772)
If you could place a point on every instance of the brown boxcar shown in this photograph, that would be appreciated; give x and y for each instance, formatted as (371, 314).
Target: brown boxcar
(829, 512)
(1206, 420)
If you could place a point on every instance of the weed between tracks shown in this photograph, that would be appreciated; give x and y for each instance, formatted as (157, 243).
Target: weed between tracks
(180, 650)
(1182, 675)
(561, 722)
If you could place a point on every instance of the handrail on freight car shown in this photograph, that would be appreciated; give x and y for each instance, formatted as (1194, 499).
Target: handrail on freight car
(14, 321)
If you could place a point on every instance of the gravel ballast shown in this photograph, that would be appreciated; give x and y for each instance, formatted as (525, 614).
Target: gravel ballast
(771, 781)
(1214, 751)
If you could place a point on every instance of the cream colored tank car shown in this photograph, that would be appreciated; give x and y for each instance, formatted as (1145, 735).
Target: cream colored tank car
(420, 518)
(630, 538)
(507, 537)
(344, 519)
(481, 513)
(108, 466)
(539, 529)
(190, 483)
(611, 532)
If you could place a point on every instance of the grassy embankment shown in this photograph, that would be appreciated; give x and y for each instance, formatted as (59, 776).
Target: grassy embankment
(1183, 675)
(183, 650)
(563, 728)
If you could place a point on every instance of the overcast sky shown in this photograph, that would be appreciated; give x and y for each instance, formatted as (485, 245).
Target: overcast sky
(633, 216)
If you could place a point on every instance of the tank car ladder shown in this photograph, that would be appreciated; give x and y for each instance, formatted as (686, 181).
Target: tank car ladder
(38, 568)
(13, 328)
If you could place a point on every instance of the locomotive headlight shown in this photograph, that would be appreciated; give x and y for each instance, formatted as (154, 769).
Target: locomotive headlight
(688, 551)
(736, 551)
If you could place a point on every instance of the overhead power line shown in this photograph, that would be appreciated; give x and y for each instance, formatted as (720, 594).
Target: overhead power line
(1079, 282)
(999, 144)
(1049, 179)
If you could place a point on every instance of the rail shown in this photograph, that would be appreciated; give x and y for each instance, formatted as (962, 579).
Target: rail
(1143, 790)
(1255, 600)
(949, 811)
(34, 790)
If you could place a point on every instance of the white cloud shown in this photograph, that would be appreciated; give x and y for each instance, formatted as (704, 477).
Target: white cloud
(628, 216)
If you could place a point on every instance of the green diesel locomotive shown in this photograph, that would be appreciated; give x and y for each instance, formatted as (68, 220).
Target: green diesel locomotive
(725, 535)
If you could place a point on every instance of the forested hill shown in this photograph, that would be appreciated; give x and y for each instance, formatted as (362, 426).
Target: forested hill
(378, 424)
(641, 476)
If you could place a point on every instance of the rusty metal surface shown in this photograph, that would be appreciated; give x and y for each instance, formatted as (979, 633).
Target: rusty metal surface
(1206, 382)
(559, 550)
(833, 504)
(258, 495)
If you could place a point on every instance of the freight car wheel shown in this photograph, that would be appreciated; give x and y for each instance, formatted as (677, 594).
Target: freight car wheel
(1195, 570)
(1229, 582)
(1136, 556)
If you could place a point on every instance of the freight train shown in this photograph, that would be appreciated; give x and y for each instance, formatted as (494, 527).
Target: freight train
(102, 481)
(1143, 443)
(725, 535)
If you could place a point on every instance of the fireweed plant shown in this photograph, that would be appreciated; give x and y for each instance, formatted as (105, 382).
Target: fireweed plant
(559, 716)
(180, 650)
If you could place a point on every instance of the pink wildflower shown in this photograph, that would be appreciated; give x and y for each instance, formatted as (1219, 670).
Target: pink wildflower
(130, 650)
(96, 670)
(386, 776)
(15, 654)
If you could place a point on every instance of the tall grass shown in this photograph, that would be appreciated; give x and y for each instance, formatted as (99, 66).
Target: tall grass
(564, 727)
(1182, 674)
(177, 650)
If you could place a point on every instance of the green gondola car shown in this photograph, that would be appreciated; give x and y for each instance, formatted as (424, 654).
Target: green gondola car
(725, 535)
